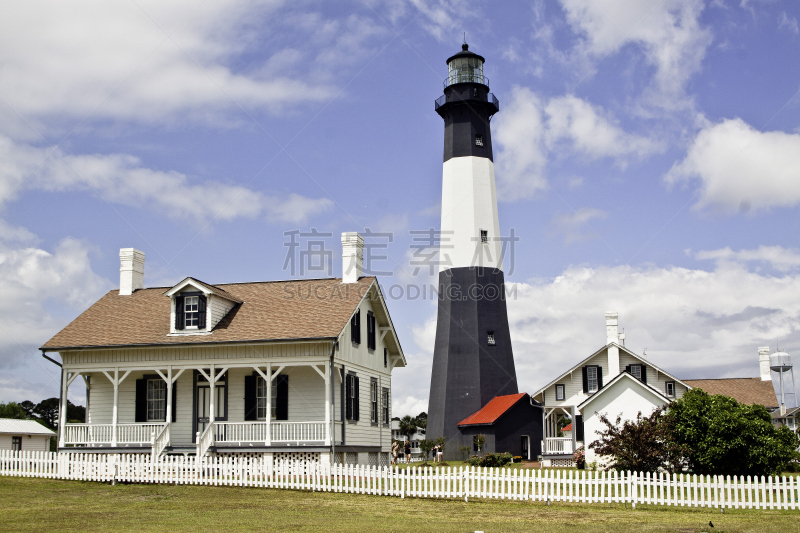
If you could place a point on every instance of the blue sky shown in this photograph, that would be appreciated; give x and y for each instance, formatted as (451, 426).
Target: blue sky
(647, 156)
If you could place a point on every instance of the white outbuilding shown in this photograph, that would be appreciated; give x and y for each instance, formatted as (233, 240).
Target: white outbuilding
(24, 435)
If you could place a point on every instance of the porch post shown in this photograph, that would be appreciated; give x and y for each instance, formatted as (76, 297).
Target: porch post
(328, 376)
(114, 409)
(212, 385)
(574, 429)
(268, 418)
(168, 417)
(62, 412)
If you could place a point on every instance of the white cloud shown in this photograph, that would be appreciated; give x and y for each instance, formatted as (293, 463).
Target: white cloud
(693, 323)
(440, 18)
(777, 257)
(410, 406)
(529, 130)
(519, 133)
(121, 178)
(788, 23)
(572, 225)
(31, 279)
(741, 168)
(150, 61)
(669, 33)
(592, 132)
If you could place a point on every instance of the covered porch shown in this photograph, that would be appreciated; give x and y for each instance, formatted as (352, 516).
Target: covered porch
(558, 451)
(197, 408)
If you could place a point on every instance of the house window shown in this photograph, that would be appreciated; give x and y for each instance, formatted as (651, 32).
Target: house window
(591, 375)
(373, 398)
(670, 389)
(490, 338)
(385, 357)
(370, 330)
(385, 405)
(479, 140)
(484, 236)
(474, 91)
(636, 371)
(191, 311)
(156, 400)
(16, 444)
(261, 399)
(560, 393)
(351, 397)
(355, 328)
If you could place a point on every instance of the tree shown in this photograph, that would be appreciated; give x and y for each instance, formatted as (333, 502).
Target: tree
(13, 410)
(725, 437)
(642, 445)
(408, 426)
(479, 441)
(47, 412)
(425, 446)
(422, 420)
(465, 452)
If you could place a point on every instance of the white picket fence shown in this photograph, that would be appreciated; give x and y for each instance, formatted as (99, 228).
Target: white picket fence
(445, 482)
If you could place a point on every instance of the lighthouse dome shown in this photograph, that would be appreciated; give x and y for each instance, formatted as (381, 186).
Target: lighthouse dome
(466, 67)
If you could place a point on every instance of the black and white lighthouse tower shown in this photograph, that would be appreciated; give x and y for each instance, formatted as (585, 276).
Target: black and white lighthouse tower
(472, 361)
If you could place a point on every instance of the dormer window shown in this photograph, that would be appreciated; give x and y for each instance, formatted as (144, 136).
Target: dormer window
(190, 309)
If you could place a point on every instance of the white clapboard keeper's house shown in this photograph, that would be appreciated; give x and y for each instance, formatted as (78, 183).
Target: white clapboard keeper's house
(296, 369)
(612, 381)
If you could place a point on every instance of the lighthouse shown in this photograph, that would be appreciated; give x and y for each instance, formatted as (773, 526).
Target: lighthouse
(473, 363)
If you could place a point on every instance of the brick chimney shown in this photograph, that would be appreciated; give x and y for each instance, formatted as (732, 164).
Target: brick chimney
(612, 336)
(131, 271)
(352, 257)
(763, 363)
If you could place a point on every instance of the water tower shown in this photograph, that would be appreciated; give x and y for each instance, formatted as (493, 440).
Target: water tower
(781, 363)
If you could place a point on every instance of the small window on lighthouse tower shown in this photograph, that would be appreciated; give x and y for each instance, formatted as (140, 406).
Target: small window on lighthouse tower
(490, 338)
(479, 140)
(484, 236)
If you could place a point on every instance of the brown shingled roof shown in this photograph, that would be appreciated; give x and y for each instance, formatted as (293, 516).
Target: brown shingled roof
(297, 309)
(743, 390)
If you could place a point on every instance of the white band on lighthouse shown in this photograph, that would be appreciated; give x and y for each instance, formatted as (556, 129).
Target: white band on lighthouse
(469, 207)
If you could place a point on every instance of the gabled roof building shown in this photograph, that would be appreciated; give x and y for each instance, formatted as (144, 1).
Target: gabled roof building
(298, 368)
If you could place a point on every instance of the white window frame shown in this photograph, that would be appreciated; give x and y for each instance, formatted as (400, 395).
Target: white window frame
(636, 369)
(385, 400)
(261, 398)
(478, 139)
(484, 236)
(373, 394)
(563, 390)
(589, 379)
(156, 400)
(490, 339)
(666, 389)
(191, 312)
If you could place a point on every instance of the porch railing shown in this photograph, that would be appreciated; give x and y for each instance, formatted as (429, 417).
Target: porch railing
(160, 441)
(561, 445)
(206, 440)
(103, 434)
(280, 432)
(297, 432)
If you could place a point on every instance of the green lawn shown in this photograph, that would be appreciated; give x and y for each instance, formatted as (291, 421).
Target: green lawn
(46, 505)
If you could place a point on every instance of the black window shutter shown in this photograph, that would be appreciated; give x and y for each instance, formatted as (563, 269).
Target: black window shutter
(348, 394)
(628, 369)
(355, 398)
(578, 425)
(282, 399)
(644, 374)
(141, 400)
(585, 381)
(201, 312)
(179, 321)
(250, 402)
(599, 377)
(174, 401)
(370, 330)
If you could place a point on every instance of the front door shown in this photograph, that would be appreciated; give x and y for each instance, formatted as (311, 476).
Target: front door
(526, 447)
(202, 397)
